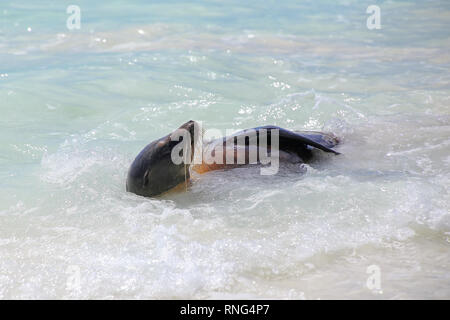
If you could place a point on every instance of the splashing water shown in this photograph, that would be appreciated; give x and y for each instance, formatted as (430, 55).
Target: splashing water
(78, 105)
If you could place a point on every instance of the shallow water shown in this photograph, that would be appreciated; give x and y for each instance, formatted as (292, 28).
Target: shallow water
(77, 106)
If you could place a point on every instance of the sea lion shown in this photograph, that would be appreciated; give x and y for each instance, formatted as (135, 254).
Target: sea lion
(167, 162)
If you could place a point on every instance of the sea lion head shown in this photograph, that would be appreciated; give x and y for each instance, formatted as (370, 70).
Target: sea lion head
(163, 164)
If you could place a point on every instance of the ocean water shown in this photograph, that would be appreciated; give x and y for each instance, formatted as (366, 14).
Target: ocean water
(78, 105)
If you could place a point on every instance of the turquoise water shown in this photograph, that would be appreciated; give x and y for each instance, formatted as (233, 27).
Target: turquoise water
(78, 105)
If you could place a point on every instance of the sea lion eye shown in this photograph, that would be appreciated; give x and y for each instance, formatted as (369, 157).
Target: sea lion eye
(145, 182)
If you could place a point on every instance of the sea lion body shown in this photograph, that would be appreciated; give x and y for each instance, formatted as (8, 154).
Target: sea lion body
(294, 147)
(154, 170)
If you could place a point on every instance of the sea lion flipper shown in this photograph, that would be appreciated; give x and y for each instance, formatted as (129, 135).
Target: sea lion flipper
(319, 140)
(325, 139)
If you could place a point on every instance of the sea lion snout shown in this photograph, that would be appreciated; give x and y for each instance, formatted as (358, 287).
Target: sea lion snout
(154, 170)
